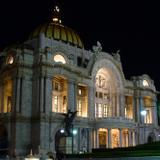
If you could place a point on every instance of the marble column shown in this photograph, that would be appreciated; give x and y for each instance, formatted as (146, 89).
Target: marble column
(18, 94)
(130, 137)
(136, 105)
(121, 102)
(120, 137)
(72, 95)
(21, 93)
(79, 139)
(154, 114)
(141, 106)
(48, 95)
(90, 140)
(94, 138)
(1, 99)
(41, 94)
(138, 110)
(118, 105)
(109, 138)
(113, 106)
(97, 139)
(91, 102)
(133, 138)
(133, 108)
(136, 137)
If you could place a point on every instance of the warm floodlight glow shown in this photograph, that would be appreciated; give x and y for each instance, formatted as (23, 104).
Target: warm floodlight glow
(143, 113)
(57, 8)
(145, 83)
(59, 58)
(62, 130)
(10, 60)
(55, 19)
(75, 131)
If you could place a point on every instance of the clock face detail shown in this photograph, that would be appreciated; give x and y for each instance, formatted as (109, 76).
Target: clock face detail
(145, 83)
(10, 59)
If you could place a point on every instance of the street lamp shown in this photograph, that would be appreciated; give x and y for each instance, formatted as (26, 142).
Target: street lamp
(62, 130)
(143, 113)
(74, 131)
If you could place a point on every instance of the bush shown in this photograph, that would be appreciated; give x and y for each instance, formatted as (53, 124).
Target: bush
(150, 149)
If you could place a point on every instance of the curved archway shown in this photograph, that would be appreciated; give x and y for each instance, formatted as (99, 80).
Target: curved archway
(3, 141)
(113, 69)
(107, 93)
(111, 98)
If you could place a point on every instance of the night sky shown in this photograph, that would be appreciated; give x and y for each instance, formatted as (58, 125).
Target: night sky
(133, 27)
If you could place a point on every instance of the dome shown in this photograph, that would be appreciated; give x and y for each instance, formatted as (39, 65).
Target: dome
(58, 31)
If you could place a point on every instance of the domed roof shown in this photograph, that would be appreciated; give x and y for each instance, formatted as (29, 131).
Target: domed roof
(58, 32)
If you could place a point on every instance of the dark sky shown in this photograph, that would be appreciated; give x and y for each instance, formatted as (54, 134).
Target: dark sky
(131, 26)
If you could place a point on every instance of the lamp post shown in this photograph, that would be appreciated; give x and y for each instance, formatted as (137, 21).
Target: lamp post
(143, 113)
(74, 132)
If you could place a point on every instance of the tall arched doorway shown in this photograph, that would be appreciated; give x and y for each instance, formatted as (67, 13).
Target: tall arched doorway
(3, 141)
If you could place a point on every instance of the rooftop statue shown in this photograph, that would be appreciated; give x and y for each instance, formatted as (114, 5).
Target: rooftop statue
(97, 49)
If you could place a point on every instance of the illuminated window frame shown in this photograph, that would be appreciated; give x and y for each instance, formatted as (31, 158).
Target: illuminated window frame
(58, 58)
(79, 107)
(55, 104)
(145, 83)
(10, 59)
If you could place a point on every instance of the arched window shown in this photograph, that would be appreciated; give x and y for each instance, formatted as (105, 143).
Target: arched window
(145, 83)
(59, 58)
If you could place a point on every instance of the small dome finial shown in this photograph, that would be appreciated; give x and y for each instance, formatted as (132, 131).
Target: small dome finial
(56, 14)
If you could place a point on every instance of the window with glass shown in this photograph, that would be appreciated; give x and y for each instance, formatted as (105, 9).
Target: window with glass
(148, 117)
(79, 108)
(55, 104)
(106, 95)
(59, 95)
(148, 106)
(103, 110)
(6, 96)
(82, 101)
(129, 107)
(59, 58)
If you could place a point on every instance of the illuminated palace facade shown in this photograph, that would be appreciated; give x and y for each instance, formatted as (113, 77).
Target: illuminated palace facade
(51, 73)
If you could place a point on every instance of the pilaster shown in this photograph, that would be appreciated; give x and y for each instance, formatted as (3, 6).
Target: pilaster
(42, 109)
(72, 95)
(97, 139)
(91, 102)
(109, 138)
(18, 94)
(130, 137)
(47, 95)
(120, 137)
